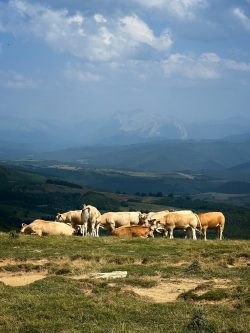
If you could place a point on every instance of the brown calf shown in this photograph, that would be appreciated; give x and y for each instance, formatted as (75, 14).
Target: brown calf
(133, 231)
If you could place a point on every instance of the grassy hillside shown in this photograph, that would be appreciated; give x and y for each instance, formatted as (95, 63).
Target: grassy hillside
(180, 286)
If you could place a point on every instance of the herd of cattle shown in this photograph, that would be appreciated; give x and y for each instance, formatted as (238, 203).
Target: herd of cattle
(88, 220)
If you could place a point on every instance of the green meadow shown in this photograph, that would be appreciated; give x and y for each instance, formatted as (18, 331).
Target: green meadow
(171, 285)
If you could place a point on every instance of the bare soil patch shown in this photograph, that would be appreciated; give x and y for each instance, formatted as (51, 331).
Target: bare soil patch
(239, 262)
(17, 280)
(169, 290)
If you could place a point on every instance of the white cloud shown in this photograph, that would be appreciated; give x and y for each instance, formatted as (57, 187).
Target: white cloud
(100, 18)
(78, 75)
(139, 32)
(242, 17)
(91, 38)
(207, 66)
(237, 66)
(182, 9)
(12, 79)
(190, 67)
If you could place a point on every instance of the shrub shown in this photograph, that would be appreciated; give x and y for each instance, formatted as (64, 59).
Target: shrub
(199, 322)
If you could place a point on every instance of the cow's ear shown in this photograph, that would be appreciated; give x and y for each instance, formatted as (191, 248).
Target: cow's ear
(84, 206)
(24, 225)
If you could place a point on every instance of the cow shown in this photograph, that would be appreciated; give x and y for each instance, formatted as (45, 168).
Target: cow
(44, 228)
(89, 220)
(178, 221)
(72, 217)
(212, 220)
(112, 220)
(133, 231)
(145, 218)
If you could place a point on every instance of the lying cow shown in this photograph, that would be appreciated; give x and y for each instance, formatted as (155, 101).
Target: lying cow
(178, 221)
(133, 231)
(112, 220)
(89, 216)
(212, 220)
(44, 228)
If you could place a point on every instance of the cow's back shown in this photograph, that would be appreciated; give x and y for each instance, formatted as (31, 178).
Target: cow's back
(181, 220)
(75, 216)
(131, 231)
(42, 227)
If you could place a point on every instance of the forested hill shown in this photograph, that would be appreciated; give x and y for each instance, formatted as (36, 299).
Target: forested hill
(26, 196)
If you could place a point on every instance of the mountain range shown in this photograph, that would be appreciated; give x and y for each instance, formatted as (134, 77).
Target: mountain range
(121, 128)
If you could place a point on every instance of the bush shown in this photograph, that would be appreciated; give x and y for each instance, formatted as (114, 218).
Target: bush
(195, 267)
(199, 322)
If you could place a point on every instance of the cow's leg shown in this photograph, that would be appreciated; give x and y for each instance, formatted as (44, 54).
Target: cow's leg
(171, 233)
(194, 233)
(166, 233)
(85, 228)
(188, 233)
(93, 229)
(112, 227)
(221, 232)
(218, 232)
(97, 227)
(205, 233)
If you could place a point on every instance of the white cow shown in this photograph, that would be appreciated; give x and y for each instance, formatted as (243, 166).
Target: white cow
(179, 221)
(146, 218)
(89, 220)
(43, 228)
(112, 220)
(72, 217)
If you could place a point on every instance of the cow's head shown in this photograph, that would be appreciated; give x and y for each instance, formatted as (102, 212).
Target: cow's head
(156, 225)
(25, 229)
(143, 219)
(59, 217)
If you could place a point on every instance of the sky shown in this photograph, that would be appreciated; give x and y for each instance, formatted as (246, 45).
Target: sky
(74, 60)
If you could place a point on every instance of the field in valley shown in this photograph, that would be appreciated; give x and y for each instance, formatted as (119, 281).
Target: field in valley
(46, 285)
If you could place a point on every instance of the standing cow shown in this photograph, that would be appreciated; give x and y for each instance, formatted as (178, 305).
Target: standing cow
(212, 220)
(112, 220)
(178, 221)
(145, 218)
(89, 220)
(72, 217)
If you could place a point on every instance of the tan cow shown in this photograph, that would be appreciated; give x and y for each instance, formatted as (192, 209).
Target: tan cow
(72, 217)
(133, 231)
(112, 220)
(89, 217)
(178, 221)
(212, 220)
(44, 228)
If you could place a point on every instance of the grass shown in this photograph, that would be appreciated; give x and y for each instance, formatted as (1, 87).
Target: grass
(61, 304)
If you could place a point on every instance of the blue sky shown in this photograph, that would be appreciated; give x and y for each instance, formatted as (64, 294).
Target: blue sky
(70, 60)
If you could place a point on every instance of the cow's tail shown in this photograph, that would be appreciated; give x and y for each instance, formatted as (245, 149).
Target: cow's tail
(199, 223)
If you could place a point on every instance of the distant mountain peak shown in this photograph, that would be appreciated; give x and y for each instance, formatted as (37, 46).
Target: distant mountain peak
(150, 125)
